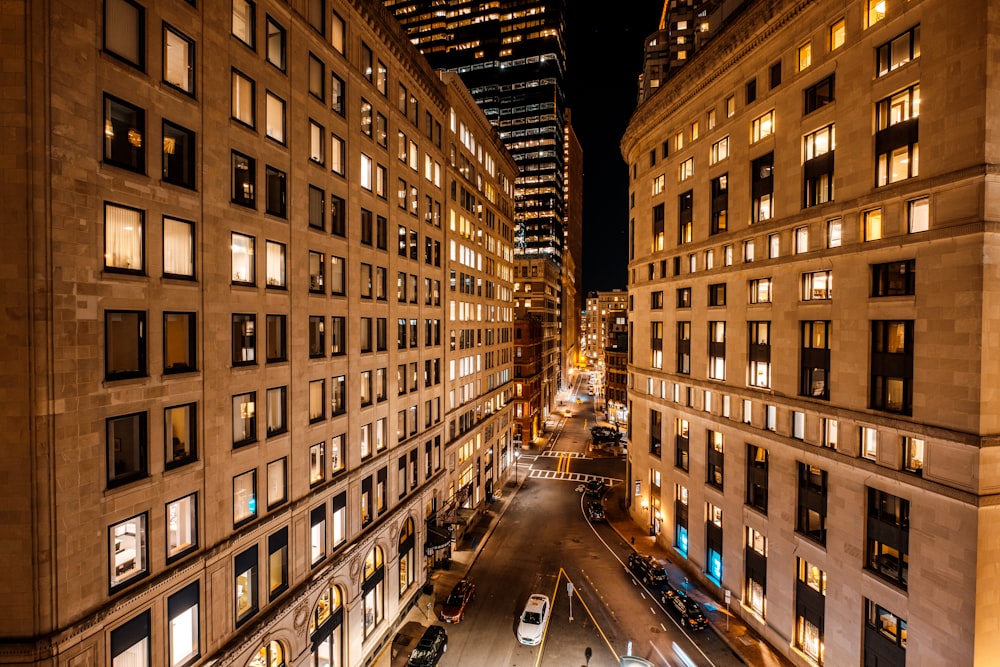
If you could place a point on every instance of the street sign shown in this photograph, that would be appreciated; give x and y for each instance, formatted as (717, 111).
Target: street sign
(728, 595)
(569, 588)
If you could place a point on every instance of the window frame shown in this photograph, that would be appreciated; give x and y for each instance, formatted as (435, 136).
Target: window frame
(117, 579)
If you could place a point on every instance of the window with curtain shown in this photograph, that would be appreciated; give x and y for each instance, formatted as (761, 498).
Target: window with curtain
(275, 264)
(178, 248)
(123, 238)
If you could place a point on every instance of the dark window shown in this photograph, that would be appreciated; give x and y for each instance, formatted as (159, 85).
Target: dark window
(178, 155)
(338, 335)
(715, 459)
(275, 343)
(684, 348)
(811, 512)
(317, 336)
(275, 200)
(684, 297)
(317, 208)
(762, 187)
(338, 216)
(814, 371)
(244, 180)
(685, 211)
(776, 74)
(656, 300)
(659, 218)
(751, 90)
(366, 227)
(894, 278)
(127, 446)
(244, 339)
(124, 344)
(682, 444)
(655, 432)
(757, 477)
(818, 95)
(892, 366)
(124, 135)
(717, 294)
(888, 536)
(652, 158)
(720, 204)
(381, 232)
(180, 353)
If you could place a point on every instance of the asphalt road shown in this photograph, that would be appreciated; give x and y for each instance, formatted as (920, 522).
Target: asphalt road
(543, 543)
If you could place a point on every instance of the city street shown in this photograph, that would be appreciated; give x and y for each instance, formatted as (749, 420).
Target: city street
(543, 543)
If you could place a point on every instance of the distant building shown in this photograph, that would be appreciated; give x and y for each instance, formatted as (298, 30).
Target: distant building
(512, 57)
(218, 217)
(811, 276)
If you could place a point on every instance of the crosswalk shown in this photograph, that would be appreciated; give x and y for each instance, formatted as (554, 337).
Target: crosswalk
(570, 455)
(571, 476)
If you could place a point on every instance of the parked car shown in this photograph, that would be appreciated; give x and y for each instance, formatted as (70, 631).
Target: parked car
(534, 618)
(595, 488)
(602, 434)
(648, 570)
(454, 606)
(595, 511)
(687, 610)
(430, 648)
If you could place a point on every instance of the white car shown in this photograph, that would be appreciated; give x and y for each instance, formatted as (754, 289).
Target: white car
(534, 618)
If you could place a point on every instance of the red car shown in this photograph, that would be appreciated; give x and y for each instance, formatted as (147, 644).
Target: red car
(461, 595)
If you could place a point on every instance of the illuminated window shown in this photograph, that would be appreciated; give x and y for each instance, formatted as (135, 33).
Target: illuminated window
(805, 56)
(874, 12)
(838, 32)
(872, 224)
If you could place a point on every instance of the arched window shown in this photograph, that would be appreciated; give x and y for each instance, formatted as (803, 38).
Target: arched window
(373, 590)
(326, 628)
(271, 654)
(407, 560)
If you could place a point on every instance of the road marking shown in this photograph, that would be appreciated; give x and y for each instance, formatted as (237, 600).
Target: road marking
(572, 455)
(571, 476)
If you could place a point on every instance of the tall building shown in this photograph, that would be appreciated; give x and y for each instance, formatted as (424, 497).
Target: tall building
(812, 313)
(512, 57)
(572, 273)
(684, 26)
(218, 215)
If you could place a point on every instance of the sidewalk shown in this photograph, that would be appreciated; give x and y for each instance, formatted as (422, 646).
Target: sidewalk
(743, 640)
(440, 581)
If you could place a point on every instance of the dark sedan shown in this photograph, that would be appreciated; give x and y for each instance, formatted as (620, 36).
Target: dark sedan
(686, 609)
(461, 595)
(430, 648)
(595, 511)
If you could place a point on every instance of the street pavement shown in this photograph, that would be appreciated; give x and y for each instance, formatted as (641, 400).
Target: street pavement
(742, 640)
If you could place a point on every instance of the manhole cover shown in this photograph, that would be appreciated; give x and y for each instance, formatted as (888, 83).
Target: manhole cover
(748, 641)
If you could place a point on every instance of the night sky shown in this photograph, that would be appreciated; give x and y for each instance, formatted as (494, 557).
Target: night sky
(604, 59)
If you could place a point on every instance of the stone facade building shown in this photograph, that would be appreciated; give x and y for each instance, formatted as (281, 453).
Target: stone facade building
(812, 316)
(219, 215)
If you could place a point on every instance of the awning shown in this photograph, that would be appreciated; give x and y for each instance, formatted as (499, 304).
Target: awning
(437, 540)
